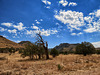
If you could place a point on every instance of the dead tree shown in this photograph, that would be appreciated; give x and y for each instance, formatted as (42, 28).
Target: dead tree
(41, 42)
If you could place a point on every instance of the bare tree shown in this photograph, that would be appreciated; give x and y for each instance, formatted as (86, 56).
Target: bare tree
(42, 43)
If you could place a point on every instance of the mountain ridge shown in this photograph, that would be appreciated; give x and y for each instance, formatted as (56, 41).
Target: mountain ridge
(66, 47)
(4, 42)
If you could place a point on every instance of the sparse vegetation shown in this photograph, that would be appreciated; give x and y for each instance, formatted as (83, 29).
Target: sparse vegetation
(7, 50)
(16, 65)
(66, 64)
(59, 67)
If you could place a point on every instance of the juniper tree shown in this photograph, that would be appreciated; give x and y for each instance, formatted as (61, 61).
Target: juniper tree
(54, 52)
(30, 50)
(42, 43)
(85, 48)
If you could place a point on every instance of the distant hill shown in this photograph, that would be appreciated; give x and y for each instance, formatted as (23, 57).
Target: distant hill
(98, 48)
(7, 43)
(4, 42)
(23, 43)
(66, 47)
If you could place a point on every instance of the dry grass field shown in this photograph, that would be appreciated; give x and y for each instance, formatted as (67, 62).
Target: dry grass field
(69, 65)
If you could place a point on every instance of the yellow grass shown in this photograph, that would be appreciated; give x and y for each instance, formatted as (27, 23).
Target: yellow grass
(71, 65)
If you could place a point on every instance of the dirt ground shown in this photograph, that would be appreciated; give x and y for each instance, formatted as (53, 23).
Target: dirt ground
(69, 65)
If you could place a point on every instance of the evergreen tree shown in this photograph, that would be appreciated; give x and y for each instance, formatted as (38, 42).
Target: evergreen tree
(85, 48)
(54, 52)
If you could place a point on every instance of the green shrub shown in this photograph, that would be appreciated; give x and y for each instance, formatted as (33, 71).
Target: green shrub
(98, 51)
(54, 52)
(85, 48)
(59, 67)
(32, 50)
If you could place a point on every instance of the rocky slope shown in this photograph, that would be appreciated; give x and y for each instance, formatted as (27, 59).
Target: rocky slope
(7, 43)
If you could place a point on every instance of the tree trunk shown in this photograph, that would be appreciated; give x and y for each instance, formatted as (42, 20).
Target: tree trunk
(46, 52)
(42, 56)
(85, 54)
(41, 41)
(36, 56)
(32, 57)
(39, 56)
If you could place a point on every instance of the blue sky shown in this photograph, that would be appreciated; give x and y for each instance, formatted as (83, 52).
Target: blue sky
(59, 21)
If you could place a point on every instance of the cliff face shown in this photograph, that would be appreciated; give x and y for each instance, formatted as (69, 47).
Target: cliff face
(66, 47)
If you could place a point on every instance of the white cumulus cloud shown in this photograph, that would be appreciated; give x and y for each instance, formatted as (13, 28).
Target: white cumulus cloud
(98, 13)
(46, 2)
(88, 19)
(80, 33)
(48, 7)
(72, 4)
(48, 32)
(73, 19)
(90, 30)
(2, 29)
(35, 27)
(93, 22)
(73, 34)
(7, 24)
(19, 26)
(96, 44)
(37, 22)
(63, 2)
(43, 32)
(12, 31)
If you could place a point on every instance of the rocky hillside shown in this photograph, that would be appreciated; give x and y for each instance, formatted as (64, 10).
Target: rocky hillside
(7, 43)
(66, 47)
